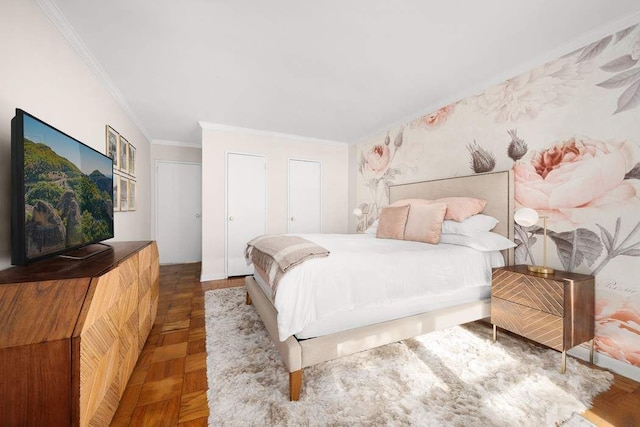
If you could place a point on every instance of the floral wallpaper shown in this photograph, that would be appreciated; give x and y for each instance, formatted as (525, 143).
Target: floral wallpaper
(570, 130)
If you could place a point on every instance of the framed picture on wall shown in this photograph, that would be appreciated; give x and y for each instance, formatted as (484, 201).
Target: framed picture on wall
(112, 144)
(116, 193)
(132, 160)
(124, 193)
(132, 195)
(123, 154)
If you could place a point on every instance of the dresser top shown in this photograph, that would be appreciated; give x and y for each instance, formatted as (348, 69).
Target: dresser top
(557, 275)
(58, 268)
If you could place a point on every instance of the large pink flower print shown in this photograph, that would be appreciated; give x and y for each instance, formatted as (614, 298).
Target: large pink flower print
(377, 159)
(578, 179)
(435, 118)
(618, 329)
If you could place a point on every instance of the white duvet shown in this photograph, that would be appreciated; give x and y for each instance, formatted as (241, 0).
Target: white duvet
(363, 272)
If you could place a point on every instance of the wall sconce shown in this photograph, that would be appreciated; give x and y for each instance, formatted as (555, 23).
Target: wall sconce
(527, 217)
(359, 213)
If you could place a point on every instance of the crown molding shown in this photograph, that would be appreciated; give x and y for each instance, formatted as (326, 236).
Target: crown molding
(565, 48)
(56, 16)
(267, 133)
(176, 143)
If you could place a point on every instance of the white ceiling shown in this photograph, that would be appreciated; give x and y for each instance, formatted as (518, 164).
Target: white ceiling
(337, 70)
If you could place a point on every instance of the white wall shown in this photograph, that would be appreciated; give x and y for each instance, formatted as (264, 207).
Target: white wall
(278, 149)
(353, 184)
(173, 153)
(42, 74)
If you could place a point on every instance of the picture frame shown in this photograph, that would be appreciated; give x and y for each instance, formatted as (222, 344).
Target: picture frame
(112, 144)
(116, 193)
(132, 195)
(124, 193)
(123, 154)
(132, 160)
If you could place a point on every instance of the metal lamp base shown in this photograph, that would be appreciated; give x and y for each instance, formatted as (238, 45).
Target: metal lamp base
(540, 270)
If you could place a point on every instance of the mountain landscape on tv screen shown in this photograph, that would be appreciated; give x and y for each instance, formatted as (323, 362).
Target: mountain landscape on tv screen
(63, 206)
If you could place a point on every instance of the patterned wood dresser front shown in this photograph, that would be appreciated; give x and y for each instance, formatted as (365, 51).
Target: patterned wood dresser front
(556, 310)
(72, 333)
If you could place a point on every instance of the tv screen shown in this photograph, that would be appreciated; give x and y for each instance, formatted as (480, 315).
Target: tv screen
(62, 191)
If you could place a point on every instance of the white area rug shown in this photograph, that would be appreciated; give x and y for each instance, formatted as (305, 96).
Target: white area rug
(452, 377)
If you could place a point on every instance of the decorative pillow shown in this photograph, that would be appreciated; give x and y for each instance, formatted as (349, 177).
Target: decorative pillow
(461, 208)
(470, 226)
(373, 228)
(458, 208)
(392, 222)
(424, 223)
(412, 202)
(482, 241)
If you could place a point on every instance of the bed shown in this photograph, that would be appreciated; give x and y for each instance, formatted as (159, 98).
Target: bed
(298, 351)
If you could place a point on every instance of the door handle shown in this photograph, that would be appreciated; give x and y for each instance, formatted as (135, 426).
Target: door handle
(230, 218)
(197, 215)
(293, 218)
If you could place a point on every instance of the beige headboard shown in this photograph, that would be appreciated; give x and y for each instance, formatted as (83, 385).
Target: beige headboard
(496, 188)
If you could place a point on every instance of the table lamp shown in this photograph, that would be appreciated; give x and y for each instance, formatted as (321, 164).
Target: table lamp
(358, 212)
(527, 217)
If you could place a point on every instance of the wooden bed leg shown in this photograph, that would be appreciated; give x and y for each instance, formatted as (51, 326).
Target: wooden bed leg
(295, 385)
(248, 302)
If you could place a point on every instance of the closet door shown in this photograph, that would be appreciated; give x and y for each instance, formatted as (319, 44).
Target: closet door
(304, 197)
(178, 208)
(246, 207)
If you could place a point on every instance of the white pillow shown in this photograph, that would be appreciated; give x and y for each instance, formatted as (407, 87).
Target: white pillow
(470, 226)
(373, 228)
(481, 241)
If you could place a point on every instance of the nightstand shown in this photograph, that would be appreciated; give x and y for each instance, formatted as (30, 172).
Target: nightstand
(556, 310)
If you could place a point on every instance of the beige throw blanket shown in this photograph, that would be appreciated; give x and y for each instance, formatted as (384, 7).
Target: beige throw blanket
(275, 254)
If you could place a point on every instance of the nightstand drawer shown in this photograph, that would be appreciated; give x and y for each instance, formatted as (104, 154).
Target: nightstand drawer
(528, 322)
(529, 290)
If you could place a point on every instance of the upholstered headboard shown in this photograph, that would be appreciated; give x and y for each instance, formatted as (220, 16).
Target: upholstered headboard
(496, 188)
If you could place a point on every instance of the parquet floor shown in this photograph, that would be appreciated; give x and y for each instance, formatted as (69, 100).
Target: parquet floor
(169, 384)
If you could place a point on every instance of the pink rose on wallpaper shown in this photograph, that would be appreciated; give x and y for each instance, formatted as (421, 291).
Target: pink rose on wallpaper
(524, 96)
(378, 159)
(618, 328)
(575, 178)
(619, 340)
(377, 169)
(435, 118)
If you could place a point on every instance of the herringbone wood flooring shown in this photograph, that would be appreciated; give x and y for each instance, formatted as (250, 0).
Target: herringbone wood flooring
(169, 383)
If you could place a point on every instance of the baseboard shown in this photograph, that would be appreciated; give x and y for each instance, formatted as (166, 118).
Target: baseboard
(604, 361)
(207, 277)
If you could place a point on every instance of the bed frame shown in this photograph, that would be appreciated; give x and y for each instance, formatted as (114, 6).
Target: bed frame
(496, 188)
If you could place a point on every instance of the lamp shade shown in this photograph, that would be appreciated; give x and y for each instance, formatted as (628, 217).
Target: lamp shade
(357, 212)
(526, 217)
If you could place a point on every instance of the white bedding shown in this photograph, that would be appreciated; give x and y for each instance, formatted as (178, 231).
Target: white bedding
(365, 278)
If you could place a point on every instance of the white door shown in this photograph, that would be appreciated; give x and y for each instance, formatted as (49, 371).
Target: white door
(178, 208)
(246, 207)
(304, 196)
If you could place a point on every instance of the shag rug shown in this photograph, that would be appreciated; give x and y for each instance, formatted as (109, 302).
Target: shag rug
(456, 376)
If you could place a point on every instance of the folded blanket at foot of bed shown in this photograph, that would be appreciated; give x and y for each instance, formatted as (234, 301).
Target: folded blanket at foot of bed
(275, 254)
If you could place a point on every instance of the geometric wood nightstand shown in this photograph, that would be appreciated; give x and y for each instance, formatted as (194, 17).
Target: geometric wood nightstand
(556, 310)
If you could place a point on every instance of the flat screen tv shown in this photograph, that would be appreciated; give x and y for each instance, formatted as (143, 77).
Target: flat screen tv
(62, 191)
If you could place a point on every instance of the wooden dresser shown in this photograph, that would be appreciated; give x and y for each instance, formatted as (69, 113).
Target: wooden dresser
(556, 310)
(71, 332)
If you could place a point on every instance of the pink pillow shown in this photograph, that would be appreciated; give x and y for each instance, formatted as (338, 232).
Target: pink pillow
(392, 222)
(424, 223)
(461, 208)
(412, 202)
(458, 208)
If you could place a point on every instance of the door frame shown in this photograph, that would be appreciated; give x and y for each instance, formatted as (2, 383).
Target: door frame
(298, 159)
(226, 199)
(156, 163)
